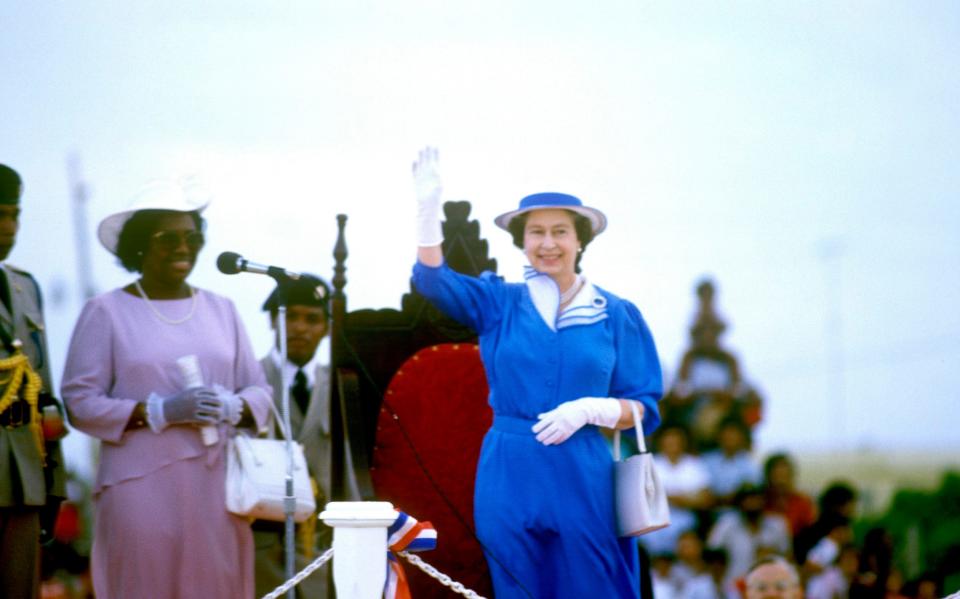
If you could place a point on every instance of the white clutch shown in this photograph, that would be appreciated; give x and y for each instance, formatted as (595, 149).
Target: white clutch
(640, 498)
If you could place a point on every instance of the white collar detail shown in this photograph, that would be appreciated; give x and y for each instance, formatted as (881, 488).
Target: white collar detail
(289, 370)
(587, 307)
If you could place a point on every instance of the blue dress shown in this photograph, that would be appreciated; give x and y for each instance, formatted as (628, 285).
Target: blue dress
(545, 514)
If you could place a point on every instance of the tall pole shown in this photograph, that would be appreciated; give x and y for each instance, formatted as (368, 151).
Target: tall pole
(289, 501)
(81, 235)
(80, 196)
(338, 352)
(831, 254)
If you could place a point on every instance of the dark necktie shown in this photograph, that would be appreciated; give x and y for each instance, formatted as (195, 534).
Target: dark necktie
(300, 391)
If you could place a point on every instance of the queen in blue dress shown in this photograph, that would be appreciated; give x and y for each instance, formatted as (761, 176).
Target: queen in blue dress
(563, 358)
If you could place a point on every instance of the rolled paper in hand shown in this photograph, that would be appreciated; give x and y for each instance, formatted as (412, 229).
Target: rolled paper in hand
(190, 370)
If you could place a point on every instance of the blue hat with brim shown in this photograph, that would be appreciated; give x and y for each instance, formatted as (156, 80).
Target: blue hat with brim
(550, 199)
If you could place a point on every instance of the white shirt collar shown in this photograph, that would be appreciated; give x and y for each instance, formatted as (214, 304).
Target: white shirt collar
(289, 369)
(587, 307)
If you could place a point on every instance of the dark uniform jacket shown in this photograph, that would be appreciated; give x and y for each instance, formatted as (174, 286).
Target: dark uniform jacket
(24, 481)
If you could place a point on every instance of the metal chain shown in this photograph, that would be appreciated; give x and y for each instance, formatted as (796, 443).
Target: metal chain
(298, 578)
(413, 559)
(440, 576)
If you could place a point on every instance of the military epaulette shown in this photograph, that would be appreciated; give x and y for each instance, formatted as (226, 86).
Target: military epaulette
(17, 270)
(36, 286)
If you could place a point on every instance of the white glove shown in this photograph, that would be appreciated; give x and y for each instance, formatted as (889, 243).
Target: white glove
(232, 405)
(560, 423)
(426, 178)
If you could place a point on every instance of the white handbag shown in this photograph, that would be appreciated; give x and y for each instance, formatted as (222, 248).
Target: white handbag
(640, 498)
(256, 478)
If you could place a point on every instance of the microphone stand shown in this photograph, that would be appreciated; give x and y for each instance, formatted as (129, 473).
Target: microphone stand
(289, 500)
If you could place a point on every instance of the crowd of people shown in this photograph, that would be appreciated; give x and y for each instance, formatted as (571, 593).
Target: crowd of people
(711, 552)
(731, 508)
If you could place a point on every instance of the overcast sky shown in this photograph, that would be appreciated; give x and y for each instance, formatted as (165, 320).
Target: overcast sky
(804, 154)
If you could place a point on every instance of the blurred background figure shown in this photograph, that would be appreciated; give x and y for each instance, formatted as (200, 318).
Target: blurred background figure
(709, 387)
(663, 579)
(731, 465)
(749, 533)
(772, 578)
(827, 550)
(925, 586)
(837, 578)
(893, 589)
(687, 483)
(837, 501)
(716, 562)
(65, 561)
(783, 497)
(691, 571)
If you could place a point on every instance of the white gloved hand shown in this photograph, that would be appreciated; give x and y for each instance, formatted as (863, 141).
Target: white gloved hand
(232, 405)
(560, 423)
(426, 178)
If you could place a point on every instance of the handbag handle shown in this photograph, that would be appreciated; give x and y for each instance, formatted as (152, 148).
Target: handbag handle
(637, 423)
(279, 421)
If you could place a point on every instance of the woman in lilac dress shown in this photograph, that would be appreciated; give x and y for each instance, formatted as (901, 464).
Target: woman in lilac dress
(161, 528)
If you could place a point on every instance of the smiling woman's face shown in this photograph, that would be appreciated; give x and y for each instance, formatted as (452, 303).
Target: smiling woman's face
(172, 250)
(550, 243)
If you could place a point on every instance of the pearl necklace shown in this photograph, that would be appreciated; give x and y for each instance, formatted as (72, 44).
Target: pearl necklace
(567, 296)
(193, 305)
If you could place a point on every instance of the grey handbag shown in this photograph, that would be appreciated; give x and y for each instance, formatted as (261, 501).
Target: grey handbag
(641, 500)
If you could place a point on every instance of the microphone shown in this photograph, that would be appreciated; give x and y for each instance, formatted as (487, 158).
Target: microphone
(231, 263)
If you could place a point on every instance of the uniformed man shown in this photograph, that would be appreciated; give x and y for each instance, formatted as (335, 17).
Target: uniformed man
(32, 477)
(309, 402)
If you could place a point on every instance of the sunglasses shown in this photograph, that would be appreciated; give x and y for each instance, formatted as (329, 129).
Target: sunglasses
(171, 240)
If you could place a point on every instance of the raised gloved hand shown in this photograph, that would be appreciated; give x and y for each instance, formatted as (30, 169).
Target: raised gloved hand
(196, 405)
(560, 423)
(426, 178)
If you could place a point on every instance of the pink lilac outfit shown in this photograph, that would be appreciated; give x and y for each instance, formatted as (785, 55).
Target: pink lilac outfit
(161, 529)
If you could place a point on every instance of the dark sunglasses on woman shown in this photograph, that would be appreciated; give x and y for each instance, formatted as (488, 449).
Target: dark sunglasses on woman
(171, 240)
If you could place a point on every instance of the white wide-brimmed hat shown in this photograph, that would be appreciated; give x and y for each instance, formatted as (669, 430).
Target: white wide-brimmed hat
(551, 199)
(184, 195)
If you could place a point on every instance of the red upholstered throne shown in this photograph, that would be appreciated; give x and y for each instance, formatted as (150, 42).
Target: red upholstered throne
(410, 407)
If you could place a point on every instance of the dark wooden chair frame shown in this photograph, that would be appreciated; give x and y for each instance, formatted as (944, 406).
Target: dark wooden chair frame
(369, 346)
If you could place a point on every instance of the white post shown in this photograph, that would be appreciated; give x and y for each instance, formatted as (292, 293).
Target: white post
(359, 546)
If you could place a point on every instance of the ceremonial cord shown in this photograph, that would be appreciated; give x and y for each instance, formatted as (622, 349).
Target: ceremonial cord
(19, 368)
